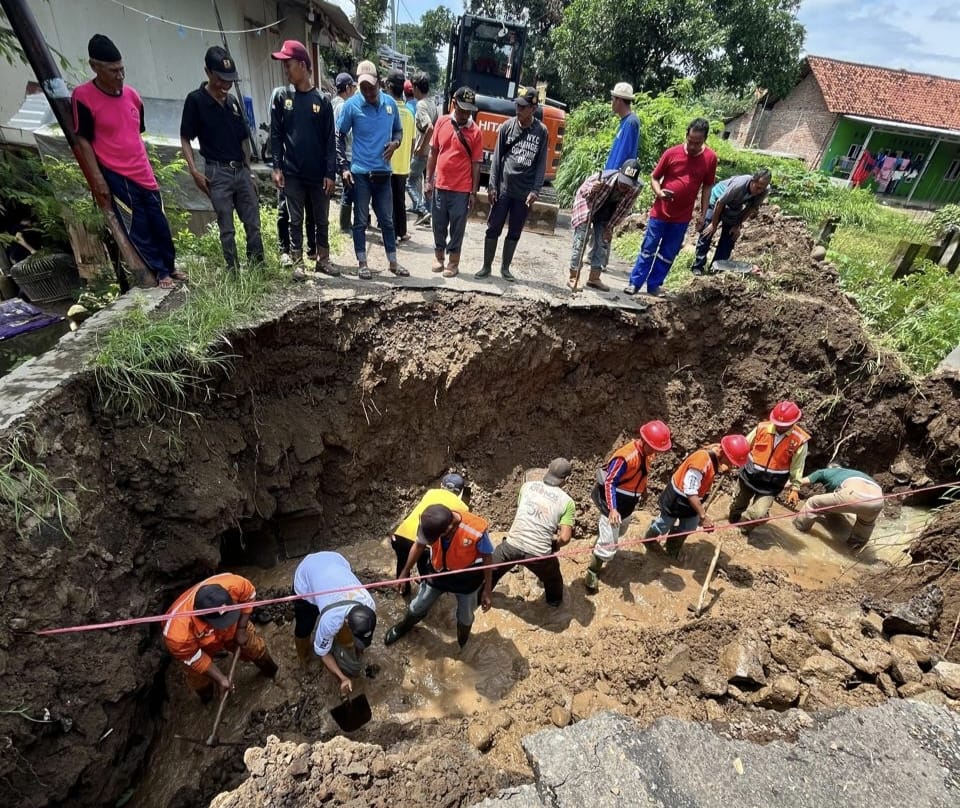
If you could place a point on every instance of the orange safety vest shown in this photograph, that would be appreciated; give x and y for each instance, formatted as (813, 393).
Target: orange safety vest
(191, 639)
(701, 460)
(633, 482)
(765, 456)
(462, 550)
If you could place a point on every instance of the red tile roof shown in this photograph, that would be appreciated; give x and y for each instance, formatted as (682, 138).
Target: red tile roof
(894, 95)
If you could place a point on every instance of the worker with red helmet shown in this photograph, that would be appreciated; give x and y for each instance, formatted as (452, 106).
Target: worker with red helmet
(778, 451)
(620, 487)
(682, 501)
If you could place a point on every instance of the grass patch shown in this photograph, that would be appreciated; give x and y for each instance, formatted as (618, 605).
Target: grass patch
(28, 494)
(150, 365)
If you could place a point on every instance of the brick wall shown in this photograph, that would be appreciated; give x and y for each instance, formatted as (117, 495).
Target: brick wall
(798, 124)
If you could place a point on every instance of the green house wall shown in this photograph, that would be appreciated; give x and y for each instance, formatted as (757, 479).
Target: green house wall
(931, 188)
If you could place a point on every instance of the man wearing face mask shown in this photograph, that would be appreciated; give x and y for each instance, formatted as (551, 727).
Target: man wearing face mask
(213, 116)
(681, 173)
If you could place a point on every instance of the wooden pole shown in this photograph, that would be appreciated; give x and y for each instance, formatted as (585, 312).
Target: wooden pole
(37, 53)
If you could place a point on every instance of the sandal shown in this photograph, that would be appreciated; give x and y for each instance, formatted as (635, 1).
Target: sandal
(398, 270)
(166, 283)
(364, 273)
(177, 275)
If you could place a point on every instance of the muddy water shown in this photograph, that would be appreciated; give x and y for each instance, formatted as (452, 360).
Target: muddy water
(426, 679)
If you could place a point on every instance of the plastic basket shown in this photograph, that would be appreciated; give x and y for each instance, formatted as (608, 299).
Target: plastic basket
(44, 278)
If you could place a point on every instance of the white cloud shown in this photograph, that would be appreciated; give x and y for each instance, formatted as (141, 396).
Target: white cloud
(919, 35)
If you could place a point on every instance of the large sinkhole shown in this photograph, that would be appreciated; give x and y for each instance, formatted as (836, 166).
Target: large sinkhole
(329, 424)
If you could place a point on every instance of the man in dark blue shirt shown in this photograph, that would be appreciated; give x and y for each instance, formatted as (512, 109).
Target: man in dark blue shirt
(213, 116)
(304, 154)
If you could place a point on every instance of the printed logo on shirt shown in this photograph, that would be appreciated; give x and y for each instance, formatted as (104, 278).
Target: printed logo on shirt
(288, 103)
(316, 109)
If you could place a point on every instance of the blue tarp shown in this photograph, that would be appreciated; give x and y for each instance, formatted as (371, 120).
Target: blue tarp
(19, 317)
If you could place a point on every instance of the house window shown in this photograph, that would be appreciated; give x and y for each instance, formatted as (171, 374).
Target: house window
(953, 172)
(854, 151)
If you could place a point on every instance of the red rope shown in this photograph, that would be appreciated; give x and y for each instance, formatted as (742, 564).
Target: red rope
(565, 553)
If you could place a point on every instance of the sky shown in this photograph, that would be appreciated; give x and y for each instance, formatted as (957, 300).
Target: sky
(918, 35)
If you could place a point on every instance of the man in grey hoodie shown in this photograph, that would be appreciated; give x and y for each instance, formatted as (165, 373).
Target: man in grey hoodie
(516, 179)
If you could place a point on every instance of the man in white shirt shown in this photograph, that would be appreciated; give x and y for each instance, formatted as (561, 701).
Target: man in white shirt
(543, 524)
(345, 620)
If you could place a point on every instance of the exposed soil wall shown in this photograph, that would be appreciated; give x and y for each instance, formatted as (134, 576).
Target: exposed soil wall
(334, 419)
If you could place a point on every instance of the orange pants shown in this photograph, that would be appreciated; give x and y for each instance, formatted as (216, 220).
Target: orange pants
(254, 651)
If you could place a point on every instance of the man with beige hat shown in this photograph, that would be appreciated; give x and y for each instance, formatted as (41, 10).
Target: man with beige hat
(626, 144)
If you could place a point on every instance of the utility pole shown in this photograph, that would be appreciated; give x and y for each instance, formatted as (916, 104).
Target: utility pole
(393, 19)
(25, 28)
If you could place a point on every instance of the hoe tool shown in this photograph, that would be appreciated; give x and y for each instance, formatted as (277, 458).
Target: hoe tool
(212, 740)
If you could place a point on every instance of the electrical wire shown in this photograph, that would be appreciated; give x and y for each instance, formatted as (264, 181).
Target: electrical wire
(184, 26)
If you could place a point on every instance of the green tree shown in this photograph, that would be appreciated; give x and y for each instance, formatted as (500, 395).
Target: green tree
(650, 43)
(421, 51)
(436, 25)
(368, 19)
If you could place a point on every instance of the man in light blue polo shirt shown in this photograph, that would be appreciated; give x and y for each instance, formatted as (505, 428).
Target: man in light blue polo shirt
(374, 119)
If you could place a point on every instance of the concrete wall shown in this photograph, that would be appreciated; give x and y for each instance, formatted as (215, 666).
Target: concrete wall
(799, 124)
(161, 60)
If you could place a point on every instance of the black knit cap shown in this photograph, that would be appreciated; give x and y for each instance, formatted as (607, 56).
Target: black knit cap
(102, 49)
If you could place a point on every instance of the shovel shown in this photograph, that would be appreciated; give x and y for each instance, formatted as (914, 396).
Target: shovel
(212, 740)
(352, 714)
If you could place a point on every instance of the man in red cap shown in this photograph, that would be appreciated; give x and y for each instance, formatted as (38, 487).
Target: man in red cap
(621, 486)
(778, 451)
(195, 640)
(304, 154)
(682, 508)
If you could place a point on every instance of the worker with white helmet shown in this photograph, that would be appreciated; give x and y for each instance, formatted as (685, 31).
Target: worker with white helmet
(620, 487)
(778, 451)
(682, 508)
(626, 144)
(449, 493)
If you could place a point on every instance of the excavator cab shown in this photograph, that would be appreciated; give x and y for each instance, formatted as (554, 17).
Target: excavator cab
(487, 55)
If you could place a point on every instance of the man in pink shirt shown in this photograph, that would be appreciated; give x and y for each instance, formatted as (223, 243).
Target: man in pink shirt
(682, 172)
(108, 122)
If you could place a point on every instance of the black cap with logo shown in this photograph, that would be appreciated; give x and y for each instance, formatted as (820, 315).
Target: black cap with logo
(220, 62)
(466, 99)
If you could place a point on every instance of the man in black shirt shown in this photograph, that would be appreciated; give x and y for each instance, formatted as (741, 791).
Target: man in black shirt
(304, 154)
(212, 115)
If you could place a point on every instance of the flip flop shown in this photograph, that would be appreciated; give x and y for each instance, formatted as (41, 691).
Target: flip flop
(166, 283)
(400, 272)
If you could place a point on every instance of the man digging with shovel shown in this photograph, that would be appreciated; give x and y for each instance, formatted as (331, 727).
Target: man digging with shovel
(344, 620)
(195, 640)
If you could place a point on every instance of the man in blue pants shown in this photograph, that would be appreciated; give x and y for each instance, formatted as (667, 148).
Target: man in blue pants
(373, 118)
(682, 172)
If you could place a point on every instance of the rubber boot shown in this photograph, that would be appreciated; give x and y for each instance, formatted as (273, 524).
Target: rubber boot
(437, 261)
(401, 628)
(674, 545)
(591, 580)
(652, 545)
(594, 281)
(463, 634)
(266, 665)
(304, 649)
(509, 248)
(346, 218)
(453, 265)
(489, 253)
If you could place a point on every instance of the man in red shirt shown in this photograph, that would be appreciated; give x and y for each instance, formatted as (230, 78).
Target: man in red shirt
(681, 173)
(108, 121)
(453, 174)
